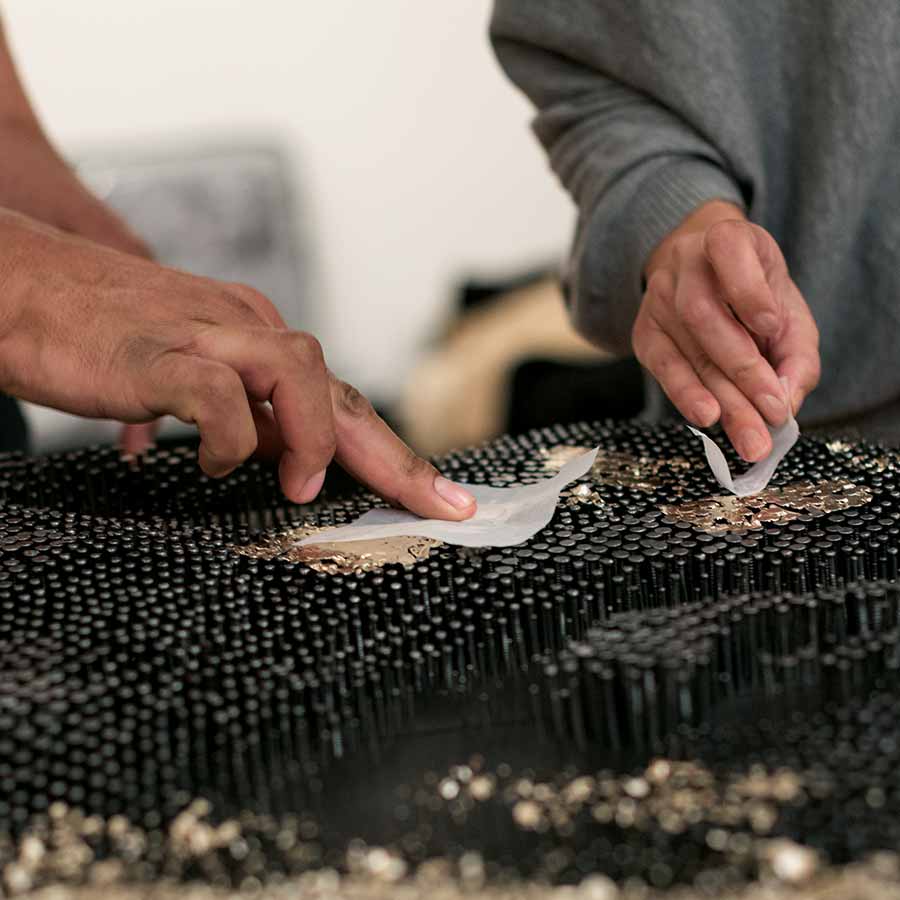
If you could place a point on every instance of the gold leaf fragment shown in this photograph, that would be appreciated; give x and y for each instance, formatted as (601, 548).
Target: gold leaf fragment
(727, 514)
(618, 469)
(340, 558)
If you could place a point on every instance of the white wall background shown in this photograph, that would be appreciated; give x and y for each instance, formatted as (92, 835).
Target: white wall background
(411, 147)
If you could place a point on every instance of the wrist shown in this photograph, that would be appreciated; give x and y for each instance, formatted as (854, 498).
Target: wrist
(697, 222)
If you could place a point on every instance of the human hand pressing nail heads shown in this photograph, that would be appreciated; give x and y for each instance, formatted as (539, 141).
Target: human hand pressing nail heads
(97, 332)
(721, 321)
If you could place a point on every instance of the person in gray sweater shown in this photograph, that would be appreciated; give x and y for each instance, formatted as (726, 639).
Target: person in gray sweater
(735, 168)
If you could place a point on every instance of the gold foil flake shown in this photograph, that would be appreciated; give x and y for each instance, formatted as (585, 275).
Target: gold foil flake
(618, 469)
(556, 457)
(581, 495)
(862, 460)
(871, 463)
(340, 558)
(774, 506)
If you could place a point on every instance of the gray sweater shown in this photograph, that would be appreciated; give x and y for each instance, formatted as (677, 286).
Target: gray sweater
(790, 108)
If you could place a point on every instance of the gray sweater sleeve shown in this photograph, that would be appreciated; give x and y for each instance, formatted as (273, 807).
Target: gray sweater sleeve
(633, 167)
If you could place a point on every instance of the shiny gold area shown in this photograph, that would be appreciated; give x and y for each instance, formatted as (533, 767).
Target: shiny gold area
(865, 461)
(581, 495)
(556, 457)
(343, 558)
(618, 469)
(727, 514)
(872, 463)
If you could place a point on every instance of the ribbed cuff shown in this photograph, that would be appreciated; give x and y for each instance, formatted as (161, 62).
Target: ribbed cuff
(666, 199)
(632, 218)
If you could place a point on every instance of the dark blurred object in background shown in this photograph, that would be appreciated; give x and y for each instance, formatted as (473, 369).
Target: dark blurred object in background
(511, 361)
(225, 212)
(546, 392)
(13, 433)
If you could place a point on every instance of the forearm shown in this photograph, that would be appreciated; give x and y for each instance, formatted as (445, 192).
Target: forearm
(634, 167)
(15, 108)
(37, 181)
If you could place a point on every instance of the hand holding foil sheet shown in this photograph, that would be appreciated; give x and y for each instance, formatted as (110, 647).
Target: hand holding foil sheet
(758, 476)
(505, 516)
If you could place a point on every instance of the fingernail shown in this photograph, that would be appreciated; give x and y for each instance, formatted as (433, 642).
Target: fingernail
(765, 323)
(312, 487)
(704, 413)
(455, 495)
(751, 444)
(774, 408)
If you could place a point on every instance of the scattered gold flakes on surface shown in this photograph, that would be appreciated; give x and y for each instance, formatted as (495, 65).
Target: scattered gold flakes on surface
(865, 461)
(618, 469)
(872, 463)
(556, 457)
(726, 514)
(340, 558)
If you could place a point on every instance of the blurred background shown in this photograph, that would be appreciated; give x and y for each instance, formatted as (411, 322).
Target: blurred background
(366, 165)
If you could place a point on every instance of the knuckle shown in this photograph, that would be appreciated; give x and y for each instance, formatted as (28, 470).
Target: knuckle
(815, 372)
(218, 386)
(236, 308)
(664, 365)
(684, 245)
(733, 419)
(694, 311)
(723, 237)
(351, 402)
(659, 286)
(413, 467)
(703, 364)
(745, 369)
(305, 347)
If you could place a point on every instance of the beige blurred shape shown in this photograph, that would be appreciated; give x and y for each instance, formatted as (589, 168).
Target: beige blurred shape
(458, 394)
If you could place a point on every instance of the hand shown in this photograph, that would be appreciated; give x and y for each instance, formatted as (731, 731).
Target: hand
(100, 333)
(721, 321)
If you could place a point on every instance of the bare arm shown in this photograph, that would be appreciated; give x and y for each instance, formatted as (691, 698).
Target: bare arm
(91, 326)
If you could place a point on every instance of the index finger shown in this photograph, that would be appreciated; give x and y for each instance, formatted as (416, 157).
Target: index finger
(731, 248)
(373, 454)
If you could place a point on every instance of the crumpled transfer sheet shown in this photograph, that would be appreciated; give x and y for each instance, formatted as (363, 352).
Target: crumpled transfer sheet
(758, 476)
(505, 516)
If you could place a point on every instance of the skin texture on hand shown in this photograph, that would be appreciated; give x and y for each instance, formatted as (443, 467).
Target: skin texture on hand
(721, 321)
(100, 333)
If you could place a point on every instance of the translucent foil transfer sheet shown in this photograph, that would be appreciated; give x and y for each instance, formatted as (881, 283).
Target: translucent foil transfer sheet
(774, 506)
(346, 558)
(505, 516)
(617, 469)
(758, 476)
